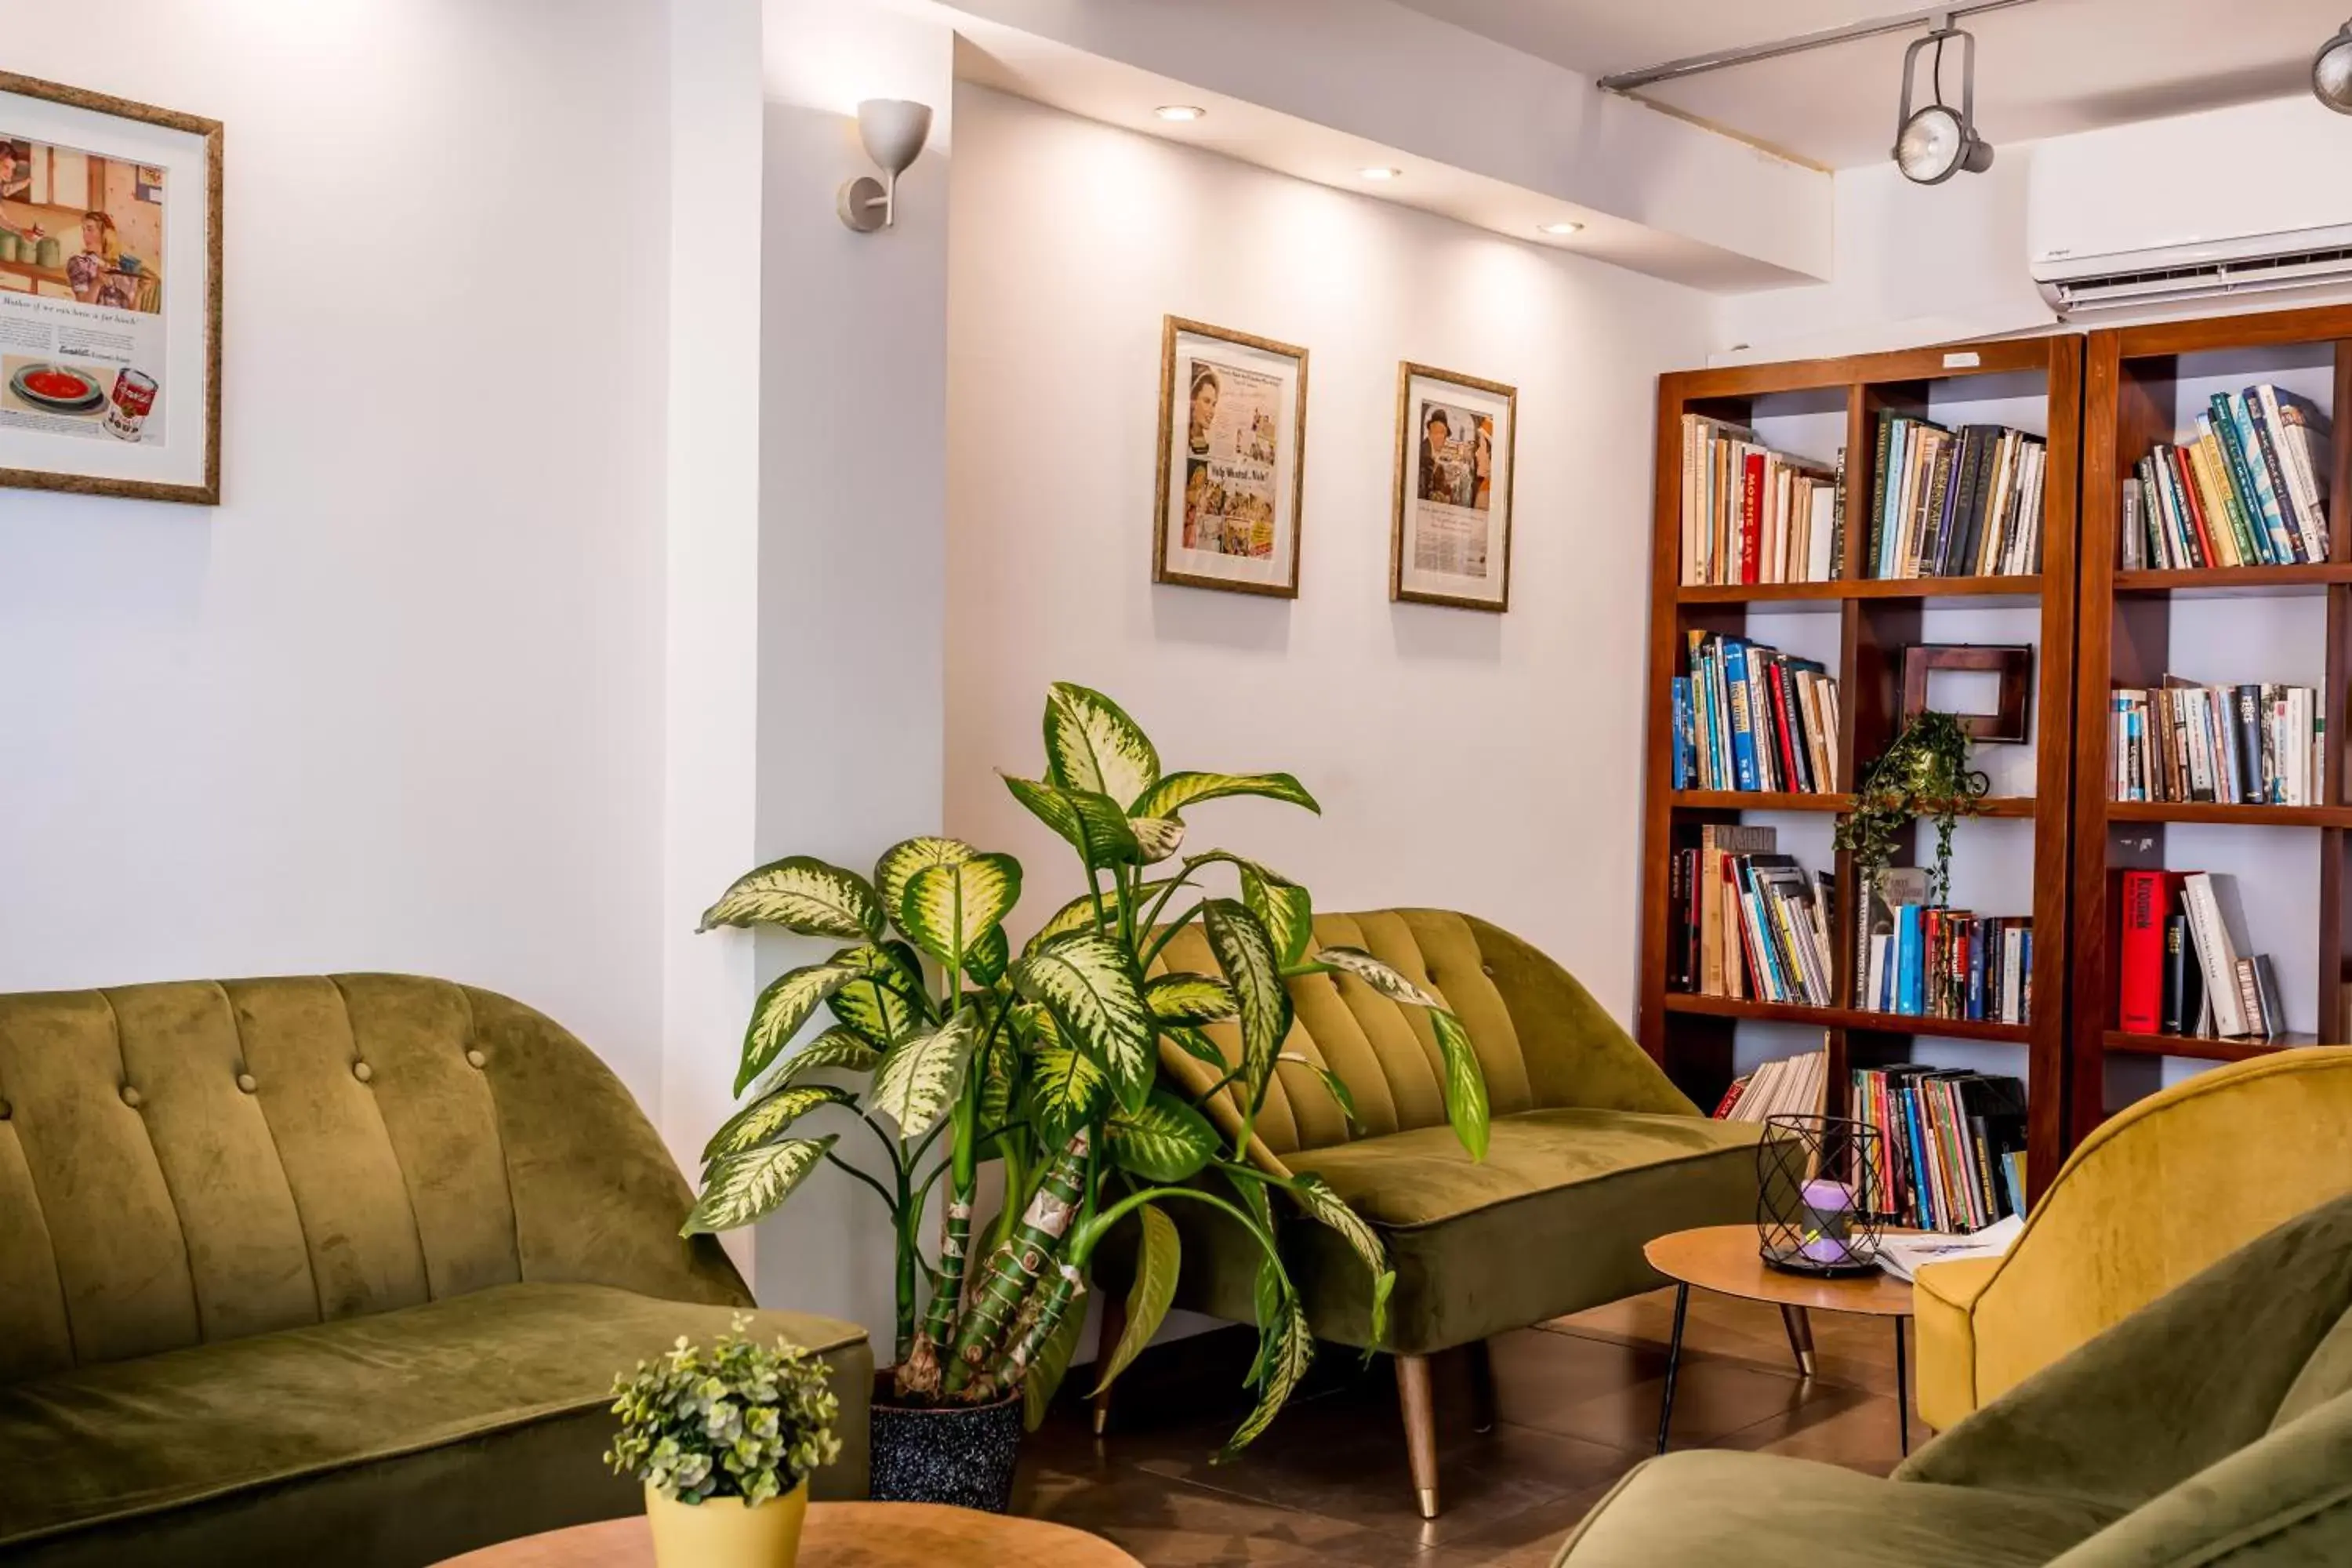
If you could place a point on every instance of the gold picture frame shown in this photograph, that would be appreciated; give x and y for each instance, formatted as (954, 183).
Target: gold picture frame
(1450, 529)
(126, 287)
(1240, 502)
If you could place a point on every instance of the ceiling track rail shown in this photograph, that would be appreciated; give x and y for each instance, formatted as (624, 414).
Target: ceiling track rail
(1935, 17)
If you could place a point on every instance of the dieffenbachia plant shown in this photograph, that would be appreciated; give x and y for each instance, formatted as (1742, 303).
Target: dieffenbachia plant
(1047, 1064)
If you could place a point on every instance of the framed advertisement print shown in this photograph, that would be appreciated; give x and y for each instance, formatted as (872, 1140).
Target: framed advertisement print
(1233, 460)
(1451, 541)
(110, 295)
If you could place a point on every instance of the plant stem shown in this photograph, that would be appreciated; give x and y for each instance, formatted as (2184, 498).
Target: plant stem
(1014, 1268)
(1166, 935)
(834, 1159)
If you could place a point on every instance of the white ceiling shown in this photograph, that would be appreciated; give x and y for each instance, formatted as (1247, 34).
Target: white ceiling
(2042, 69)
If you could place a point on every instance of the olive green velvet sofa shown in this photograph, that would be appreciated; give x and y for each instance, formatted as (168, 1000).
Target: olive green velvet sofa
(1592, 1152)
(334, 1269)
(2212, 1427)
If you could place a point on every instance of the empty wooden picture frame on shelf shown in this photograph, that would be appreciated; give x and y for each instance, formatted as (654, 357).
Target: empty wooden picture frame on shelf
(1450, 540)
(2011, 665)
(1233, 460)
(110, 295)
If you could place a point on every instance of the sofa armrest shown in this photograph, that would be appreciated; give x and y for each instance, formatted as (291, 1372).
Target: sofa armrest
(1576, 1054)
(1943, 1304)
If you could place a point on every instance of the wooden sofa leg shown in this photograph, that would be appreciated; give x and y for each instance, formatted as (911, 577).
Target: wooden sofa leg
(1113, 1324)
(1420, 1429)
(1482, 1387)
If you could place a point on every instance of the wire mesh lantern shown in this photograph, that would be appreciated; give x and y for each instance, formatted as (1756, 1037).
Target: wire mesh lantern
(1821, 1182)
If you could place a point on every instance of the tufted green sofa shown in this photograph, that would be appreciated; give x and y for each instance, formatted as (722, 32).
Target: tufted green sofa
(1593, 1151)
(334, 1269)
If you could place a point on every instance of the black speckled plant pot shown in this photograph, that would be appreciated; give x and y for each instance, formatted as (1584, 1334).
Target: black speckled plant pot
(962, 1455)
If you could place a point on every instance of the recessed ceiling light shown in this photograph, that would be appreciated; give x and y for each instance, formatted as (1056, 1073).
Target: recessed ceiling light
(1181, 111)
(1562, 228)
(1381, 174)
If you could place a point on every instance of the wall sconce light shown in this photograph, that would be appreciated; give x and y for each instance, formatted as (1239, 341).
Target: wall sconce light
(894, 130)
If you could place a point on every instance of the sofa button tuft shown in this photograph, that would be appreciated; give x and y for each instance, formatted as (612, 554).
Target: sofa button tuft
(1487, 970)
(477, 1059)
(244, 1083)
(5, 1109)
(133, 1097)
(362, 1072)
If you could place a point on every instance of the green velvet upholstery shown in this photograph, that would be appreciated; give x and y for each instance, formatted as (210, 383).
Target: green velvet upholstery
(1593, 1151)
(330, 1268)
(2212, 1427)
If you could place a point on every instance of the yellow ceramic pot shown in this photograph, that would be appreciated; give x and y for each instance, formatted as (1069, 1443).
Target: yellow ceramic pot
(723, 1533)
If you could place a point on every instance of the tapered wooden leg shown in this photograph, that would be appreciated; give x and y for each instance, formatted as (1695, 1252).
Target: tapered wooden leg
(1113, 1324)
(1800, 1338)
(1420, 1429)
(1482, 1387)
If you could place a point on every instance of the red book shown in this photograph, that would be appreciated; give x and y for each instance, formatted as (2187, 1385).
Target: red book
(2144, 898)
(2196, 501)
(1751, 519)
(1787, 729)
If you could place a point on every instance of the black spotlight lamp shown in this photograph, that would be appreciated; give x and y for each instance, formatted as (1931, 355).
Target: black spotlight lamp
(1935, 143)
(2331, 71)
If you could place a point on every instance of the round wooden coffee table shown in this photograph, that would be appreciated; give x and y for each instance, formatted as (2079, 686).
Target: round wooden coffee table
(1724, 1258)
(838, 1535)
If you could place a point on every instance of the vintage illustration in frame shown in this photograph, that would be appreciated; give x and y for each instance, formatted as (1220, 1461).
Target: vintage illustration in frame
(1450, 543)
(110, 295)
(1233, 460)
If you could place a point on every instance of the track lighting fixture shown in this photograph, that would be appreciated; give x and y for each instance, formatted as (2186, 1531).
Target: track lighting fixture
(2331, 71)
(1937, 141)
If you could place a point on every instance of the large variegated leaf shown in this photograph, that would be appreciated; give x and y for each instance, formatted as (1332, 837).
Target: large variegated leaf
(1333, 1084)
(1166, 1140)
(984, 961)
(1156, 837)
(1329, 1209)
(1287, 1349)
(1246, 955)
(1355, 961)
(947, 908)
(803, 894)
(1043, 1379)
(1197, 1046)
(876, 1009)
(1159, 1261)
(1177, 791)
(781, 1011)
(1079, 914)
(741, 1188)
(1282, 906)
(839, 1046)
(1094, 823)
(1087, 981)
(901, 861)
(999, 1080)
(1092, 745)
(1066, 1088)
(769, 1115)
(1189, 999)
(917, 1078)
(1465, 1085)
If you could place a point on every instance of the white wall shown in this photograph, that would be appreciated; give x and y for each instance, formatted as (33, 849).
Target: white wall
(1462, 759)
(396, 703)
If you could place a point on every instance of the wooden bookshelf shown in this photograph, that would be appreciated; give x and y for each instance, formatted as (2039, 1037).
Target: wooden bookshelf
(2130, 623)
(1693, 1036)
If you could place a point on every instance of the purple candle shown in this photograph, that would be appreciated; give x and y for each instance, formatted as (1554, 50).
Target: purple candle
(1829, 1222)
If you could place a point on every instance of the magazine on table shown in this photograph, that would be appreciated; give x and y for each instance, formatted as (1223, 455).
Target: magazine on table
(1903, 1254)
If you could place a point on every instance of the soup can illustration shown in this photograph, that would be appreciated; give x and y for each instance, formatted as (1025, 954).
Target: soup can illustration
(133, 400)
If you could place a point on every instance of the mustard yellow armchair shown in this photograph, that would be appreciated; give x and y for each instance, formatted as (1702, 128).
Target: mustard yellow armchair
(2179, 1180)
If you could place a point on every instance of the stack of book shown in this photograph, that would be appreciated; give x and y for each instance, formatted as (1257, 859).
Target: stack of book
(2181, 963)
(1947, 503)
(2241, 745)
(1786, 1086)
(1750, 717)
(1934, 962)
(2251, 491)
(1752, 922)
(1751, 514)
(1952, 1145)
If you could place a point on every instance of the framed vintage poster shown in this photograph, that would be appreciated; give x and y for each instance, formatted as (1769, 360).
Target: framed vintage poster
(110, 295)
(1233, 460)
(1451, 542)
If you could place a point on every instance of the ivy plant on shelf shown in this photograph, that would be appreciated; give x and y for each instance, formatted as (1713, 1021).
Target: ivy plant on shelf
(1045, 1064)
(1923, 771)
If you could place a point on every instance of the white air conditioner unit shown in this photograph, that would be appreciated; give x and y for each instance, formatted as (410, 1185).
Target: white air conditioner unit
(2252, 200)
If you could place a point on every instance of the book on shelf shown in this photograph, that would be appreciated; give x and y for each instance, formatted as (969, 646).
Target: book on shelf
(2181, 962)
(1753, 924)
(2248, 488)
(1951, 1146)
(1785, 1086)
(1749, 717)
(1955, 503)
(2236, 745)
(1937, 963)
(1751, 514)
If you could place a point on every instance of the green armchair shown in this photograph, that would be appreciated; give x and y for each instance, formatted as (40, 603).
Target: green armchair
(2212, 1427)
(1593, 1153)
(335, 1269)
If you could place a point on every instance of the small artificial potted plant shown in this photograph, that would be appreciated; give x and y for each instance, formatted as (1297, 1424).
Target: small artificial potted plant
(724, 1440)
(1046, 1065)
(1924, 772)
